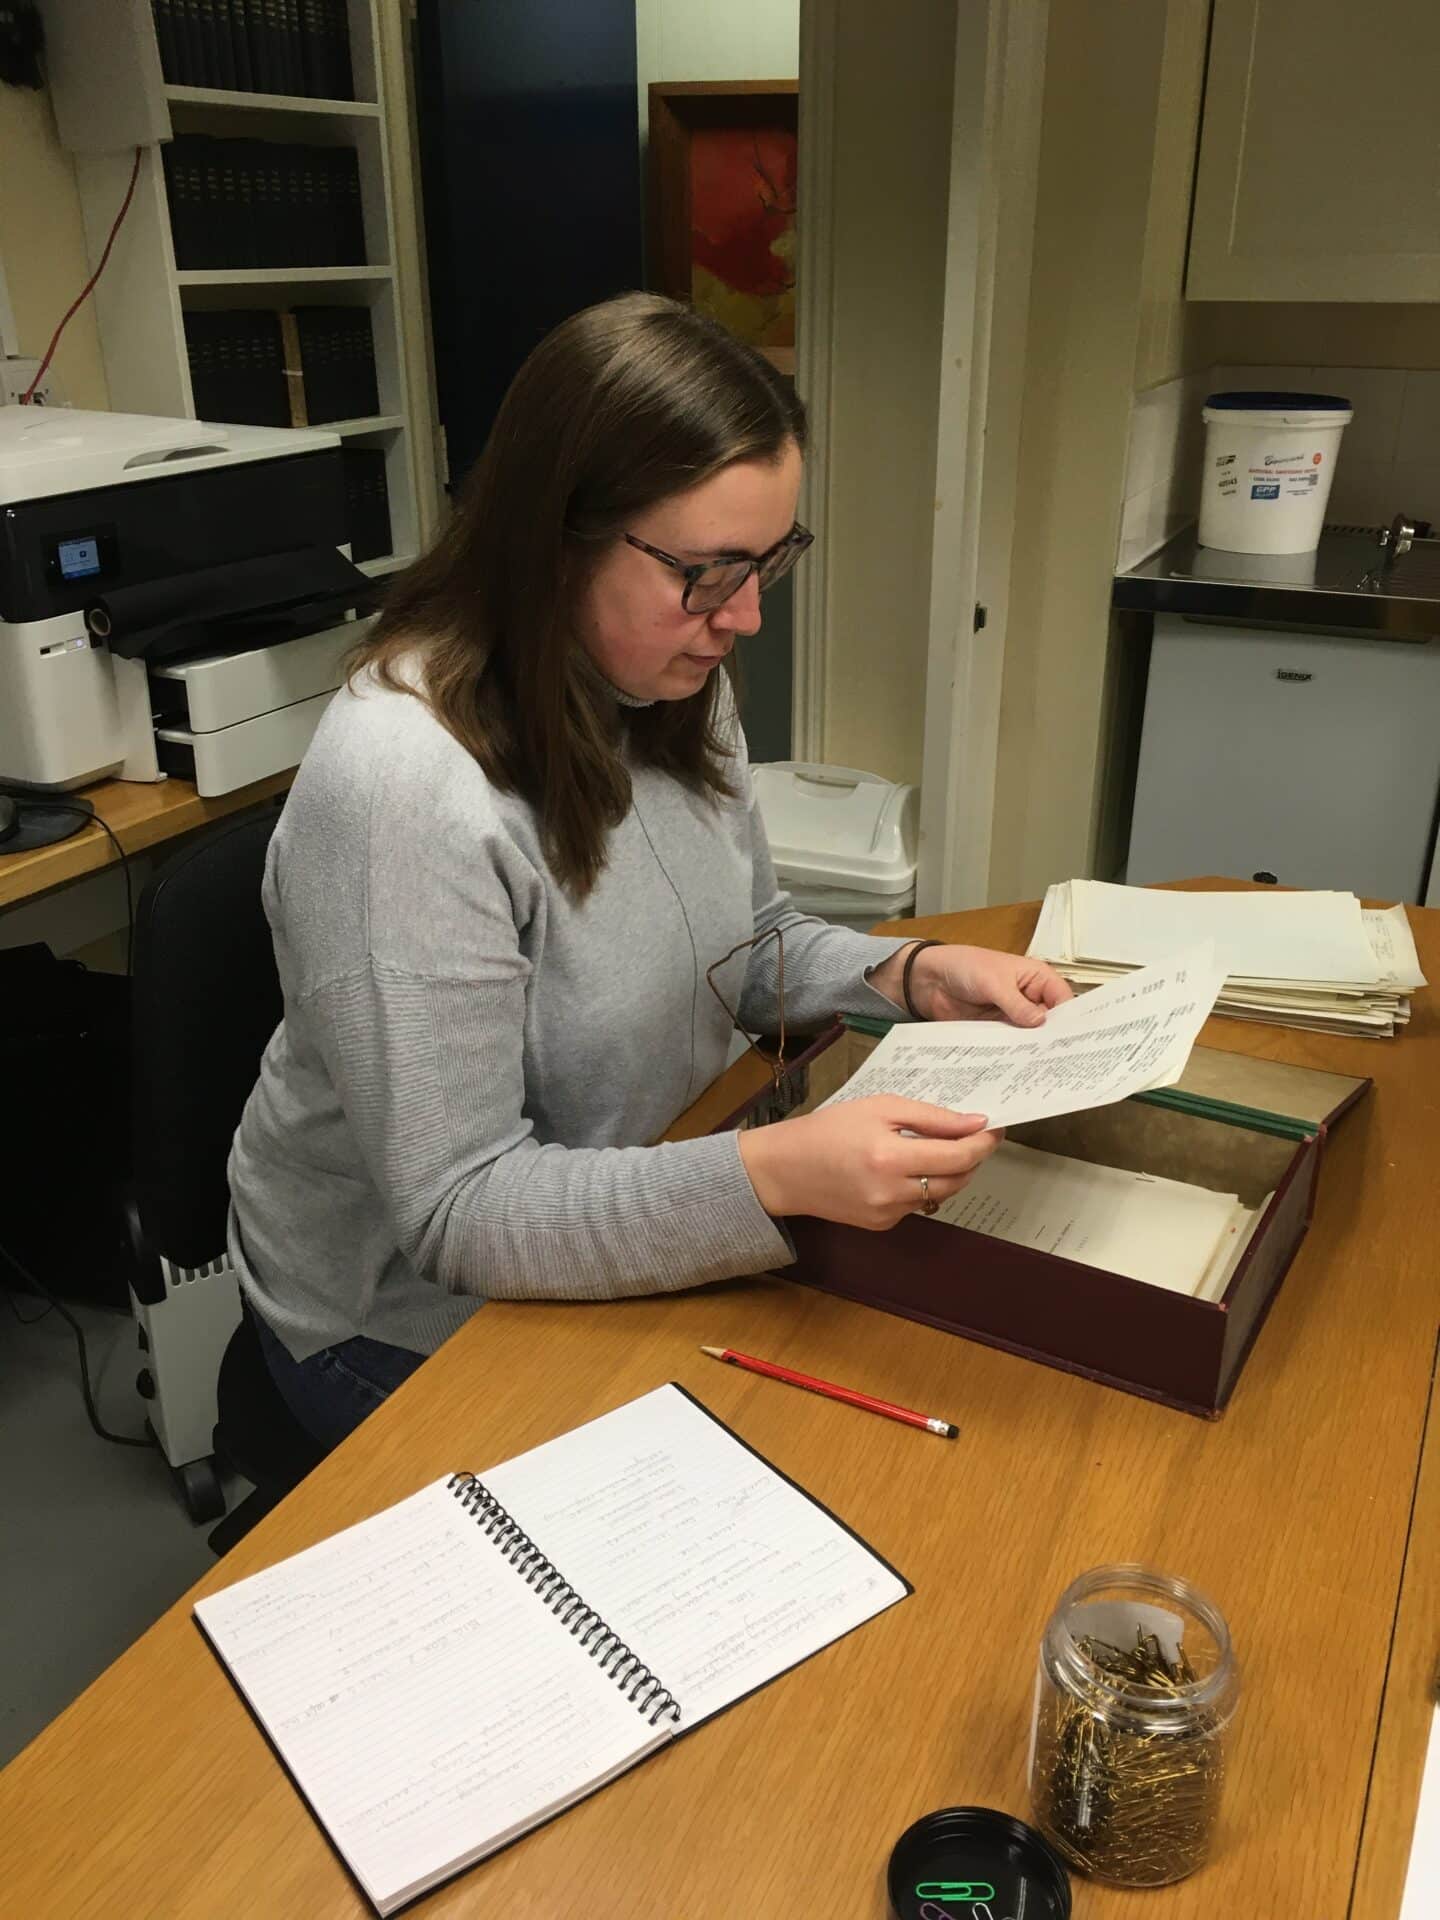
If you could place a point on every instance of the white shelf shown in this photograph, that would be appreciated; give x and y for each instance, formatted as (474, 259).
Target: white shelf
(387, 563)
(276, 276)
(143, 300)
(374, 423)
(272, 102)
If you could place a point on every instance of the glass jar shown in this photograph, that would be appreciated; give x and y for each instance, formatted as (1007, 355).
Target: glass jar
(1137, 1686)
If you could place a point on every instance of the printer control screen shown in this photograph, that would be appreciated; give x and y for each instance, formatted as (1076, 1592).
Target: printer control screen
(79, 558)
(90, 553)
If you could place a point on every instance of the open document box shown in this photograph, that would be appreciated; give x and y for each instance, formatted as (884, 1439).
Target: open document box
(1233, 1125)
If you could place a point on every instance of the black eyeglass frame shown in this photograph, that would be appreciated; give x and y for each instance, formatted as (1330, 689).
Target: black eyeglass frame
(779, 559)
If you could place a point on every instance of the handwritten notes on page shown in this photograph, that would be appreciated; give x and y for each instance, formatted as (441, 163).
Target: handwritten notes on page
(1392, 941)
(1125, 1037)
(719, 1573)
(451, 1672)
(429, 1710)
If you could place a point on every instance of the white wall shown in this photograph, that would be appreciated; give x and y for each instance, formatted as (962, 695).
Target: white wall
(1105, 78)
(714, 40)
(42, 243)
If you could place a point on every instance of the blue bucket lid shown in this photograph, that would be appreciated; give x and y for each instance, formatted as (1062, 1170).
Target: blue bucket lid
(1278, 401)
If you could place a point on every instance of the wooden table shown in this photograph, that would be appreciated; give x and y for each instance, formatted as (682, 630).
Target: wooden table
(140, 815)
(154, 1795)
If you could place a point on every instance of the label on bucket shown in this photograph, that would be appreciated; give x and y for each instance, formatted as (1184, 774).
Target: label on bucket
(1266, 483)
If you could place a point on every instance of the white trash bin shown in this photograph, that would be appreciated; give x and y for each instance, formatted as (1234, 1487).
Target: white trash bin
(1269, 463)
(843, 842)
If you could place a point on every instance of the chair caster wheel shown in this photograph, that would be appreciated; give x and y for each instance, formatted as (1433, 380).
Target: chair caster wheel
(200, 1490)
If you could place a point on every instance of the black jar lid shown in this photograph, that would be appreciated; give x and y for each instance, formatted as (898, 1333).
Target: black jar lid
(972, 1863)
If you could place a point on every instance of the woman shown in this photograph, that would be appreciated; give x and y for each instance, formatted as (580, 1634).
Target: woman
(518, 844)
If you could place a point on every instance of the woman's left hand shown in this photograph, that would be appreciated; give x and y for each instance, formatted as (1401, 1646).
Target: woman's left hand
(975, 983)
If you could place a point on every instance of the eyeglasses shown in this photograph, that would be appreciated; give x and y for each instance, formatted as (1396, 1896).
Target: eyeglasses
(786, 1085)
(710, 583)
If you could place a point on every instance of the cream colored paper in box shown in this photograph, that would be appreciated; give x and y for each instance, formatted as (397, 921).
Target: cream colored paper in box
(1231, 1249)
(1123, 1038)
(1164, 1232)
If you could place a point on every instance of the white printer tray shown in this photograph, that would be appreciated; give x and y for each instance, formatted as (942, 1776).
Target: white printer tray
(252, 714)
(223, 688)
(232, 757)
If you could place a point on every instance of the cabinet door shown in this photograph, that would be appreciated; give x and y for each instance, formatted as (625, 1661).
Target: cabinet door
(1319, 174)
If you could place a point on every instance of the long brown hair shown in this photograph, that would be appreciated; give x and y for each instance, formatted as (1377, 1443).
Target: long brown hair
(621, 406)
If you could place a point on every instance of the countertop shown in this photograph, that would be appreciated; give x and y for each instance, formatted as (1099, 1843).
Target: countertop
(1344, 584)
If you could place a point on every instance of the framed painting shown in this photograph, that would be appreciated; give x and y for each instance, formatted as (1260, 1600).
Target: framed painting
(723, 204)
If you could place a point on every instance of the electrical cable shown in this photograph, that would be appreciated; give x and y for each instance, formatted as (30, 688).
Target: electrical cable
(64, 806)
(38, 1286)
(26, 1319)
(51, 804)
(89, 287)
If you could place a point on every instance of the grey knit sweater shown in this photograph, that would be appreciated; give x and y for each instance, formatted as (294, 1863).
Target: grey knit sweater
(459, 1102)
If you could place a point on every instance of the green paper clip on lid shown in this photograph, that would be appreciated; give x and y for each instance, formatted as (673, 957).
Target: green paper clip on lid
(972, 1863)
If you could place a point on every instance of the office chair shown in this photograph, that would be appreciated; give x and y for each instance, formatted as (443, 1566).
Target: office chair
(206, 1001)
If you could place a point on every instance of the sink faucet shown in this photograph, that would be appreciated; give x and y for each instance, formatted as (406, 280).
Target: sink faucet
(1396, 539)
(1393, 540)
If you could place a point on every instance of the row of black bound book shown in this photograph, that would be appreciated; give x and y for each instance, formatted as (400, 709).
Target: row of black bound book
(367, 503)
(257, 46)
(263, 203)
(259, 368)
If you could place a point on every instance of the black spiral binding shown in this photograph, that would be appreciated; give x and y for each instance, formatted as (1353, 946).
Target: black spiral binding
(641, 1687)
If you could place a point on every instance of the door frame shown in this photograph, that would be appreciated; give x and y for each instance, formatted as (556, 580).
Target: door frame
(814, 365)
(995, 150)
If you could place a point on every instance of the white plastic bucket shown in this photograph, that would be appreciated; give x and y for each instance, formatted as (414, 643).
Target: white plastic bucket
(1269, 463)
(846, 908)
(838, 827)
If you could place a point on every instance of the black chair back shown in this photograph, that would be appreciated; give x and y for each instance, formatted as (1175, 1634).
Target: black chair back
(206, 1001)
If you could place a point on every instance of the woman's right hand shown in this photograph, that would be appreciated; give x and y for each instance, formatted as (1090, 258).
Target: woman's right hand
(858, 1163)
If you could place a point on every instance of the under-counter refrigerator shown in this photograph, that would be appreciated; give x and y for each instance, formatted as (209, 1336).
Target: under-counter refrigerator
(1303, 757)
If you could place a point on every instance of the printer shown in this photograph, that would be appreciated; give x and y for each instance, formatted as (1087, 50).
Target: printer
(175, 597)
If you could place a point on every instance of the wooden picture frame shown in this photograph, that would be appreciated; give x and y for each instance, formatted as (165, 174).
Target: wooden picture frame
(678, 110)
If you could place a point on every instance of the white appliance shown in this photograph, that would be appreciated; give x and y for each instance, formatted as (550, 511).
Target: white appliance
(174, 597)
(1306, 758)
(843, 842)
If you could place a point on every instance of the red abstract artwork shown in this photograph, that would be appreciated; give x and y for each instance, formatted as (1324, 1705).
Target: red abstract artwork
(742, 219)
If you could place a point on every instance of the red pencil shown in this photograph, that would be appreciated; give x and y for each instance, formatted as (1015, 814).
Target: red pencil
(831, 1392)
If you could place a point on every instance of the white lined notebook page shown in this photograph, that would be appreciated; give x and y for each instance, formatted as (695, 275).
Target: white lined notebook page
(428, 1705)
(716, 1571)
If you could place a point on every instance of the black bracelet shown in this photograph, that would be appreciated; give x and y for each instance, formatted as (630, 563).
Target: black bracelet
(910, 959)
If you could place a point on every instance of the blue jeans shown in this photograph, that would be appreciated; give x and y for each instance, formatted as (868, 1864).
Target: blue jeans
(337, 1388)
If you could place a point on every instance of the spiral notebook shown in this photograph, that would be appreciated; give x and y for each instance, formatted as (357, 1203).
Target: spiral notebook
(454, 1671)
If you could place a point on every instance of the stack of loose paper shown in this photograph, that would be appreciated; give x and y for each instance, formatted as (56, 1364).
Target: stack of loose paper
(1184, 1238)
(1128, 1036)
(1314, 960)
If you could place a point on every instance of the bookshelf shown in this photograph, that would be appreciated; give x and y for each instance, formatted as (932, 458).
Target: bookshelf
(111, 95)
